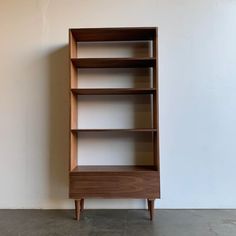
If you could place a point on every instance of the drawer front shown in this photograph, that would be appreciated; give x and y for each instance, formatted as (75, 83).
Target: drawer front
(110, 185)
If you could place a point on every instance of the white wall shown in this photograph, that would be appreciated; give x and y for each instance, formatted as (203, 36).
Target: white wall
(197, 98)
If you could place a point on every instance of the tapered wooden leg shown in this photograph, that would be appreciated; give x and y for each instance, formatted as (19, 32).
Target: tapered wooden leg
(77, 209)
(82, 204)
(151, 208)
(148, 204)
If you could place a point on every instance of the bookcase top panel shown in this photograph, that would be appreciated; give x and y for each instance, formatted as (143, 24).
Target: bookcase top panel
(114, 34)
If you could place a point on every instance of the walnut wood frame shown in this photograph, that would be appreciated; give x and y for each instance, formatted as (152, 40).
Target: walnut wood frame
(98, 181)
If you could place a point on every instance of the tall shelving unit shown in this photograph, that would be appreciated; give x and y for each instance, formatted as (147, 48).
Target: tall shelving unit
(113, 181)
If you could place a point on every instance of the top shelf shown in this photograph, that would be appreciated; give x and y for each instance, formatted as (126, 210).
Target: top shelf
(114, 34)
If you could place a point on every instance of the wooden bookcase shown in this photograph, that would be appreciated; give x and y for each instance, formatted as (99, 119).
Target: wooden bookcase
(113, 181)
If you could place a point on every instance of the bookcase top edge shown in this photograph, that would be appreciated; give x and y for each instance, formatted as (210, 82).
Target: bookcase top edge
(114, 28)
(113, 34)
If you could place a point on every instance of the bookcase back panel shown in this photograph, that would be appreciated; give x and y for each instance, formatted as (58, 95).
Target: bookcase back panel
(114, 49)
(115, 78)
(114, 149)
(114, 111)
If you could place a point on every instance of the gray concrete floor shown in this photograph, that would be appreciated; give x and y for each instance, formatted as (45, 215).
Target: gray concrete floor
(118, 222)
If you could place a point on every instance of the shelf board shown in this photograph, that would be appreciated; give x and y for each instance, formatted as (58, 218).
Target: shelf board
(113, 62)
(114, 130)
(111, 91)
(112, 168)
(114, 34)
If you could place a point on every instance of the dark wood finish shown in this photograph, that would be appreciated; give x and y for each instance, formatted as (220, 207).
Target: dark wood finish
(113, 34)
(113, 181)
(113, 91)
(72, 54)
(113, 62)
(148, 204)
(77, 209)
(151, 207)
(156, 146)
(82, 204)
(114, 130)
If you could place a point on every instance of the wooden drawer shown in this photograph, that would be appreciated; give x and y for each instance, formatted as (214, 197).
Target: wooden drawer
(115, 185)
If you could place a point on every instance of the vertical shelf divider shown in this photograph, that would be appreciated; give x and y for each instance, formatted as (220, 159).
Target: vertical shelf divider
(73, 103)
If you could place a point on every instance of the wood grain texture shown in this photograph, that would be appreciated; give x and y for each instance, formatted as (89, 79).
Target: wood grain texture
(73, 151)
(114, 184)
(81, 204)
(115, 91)
(72, 54)
(77, 209)
(113, 181)
(151, 208)
(113, 34)
(156, 151)
(73, 104)
(113, 62)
